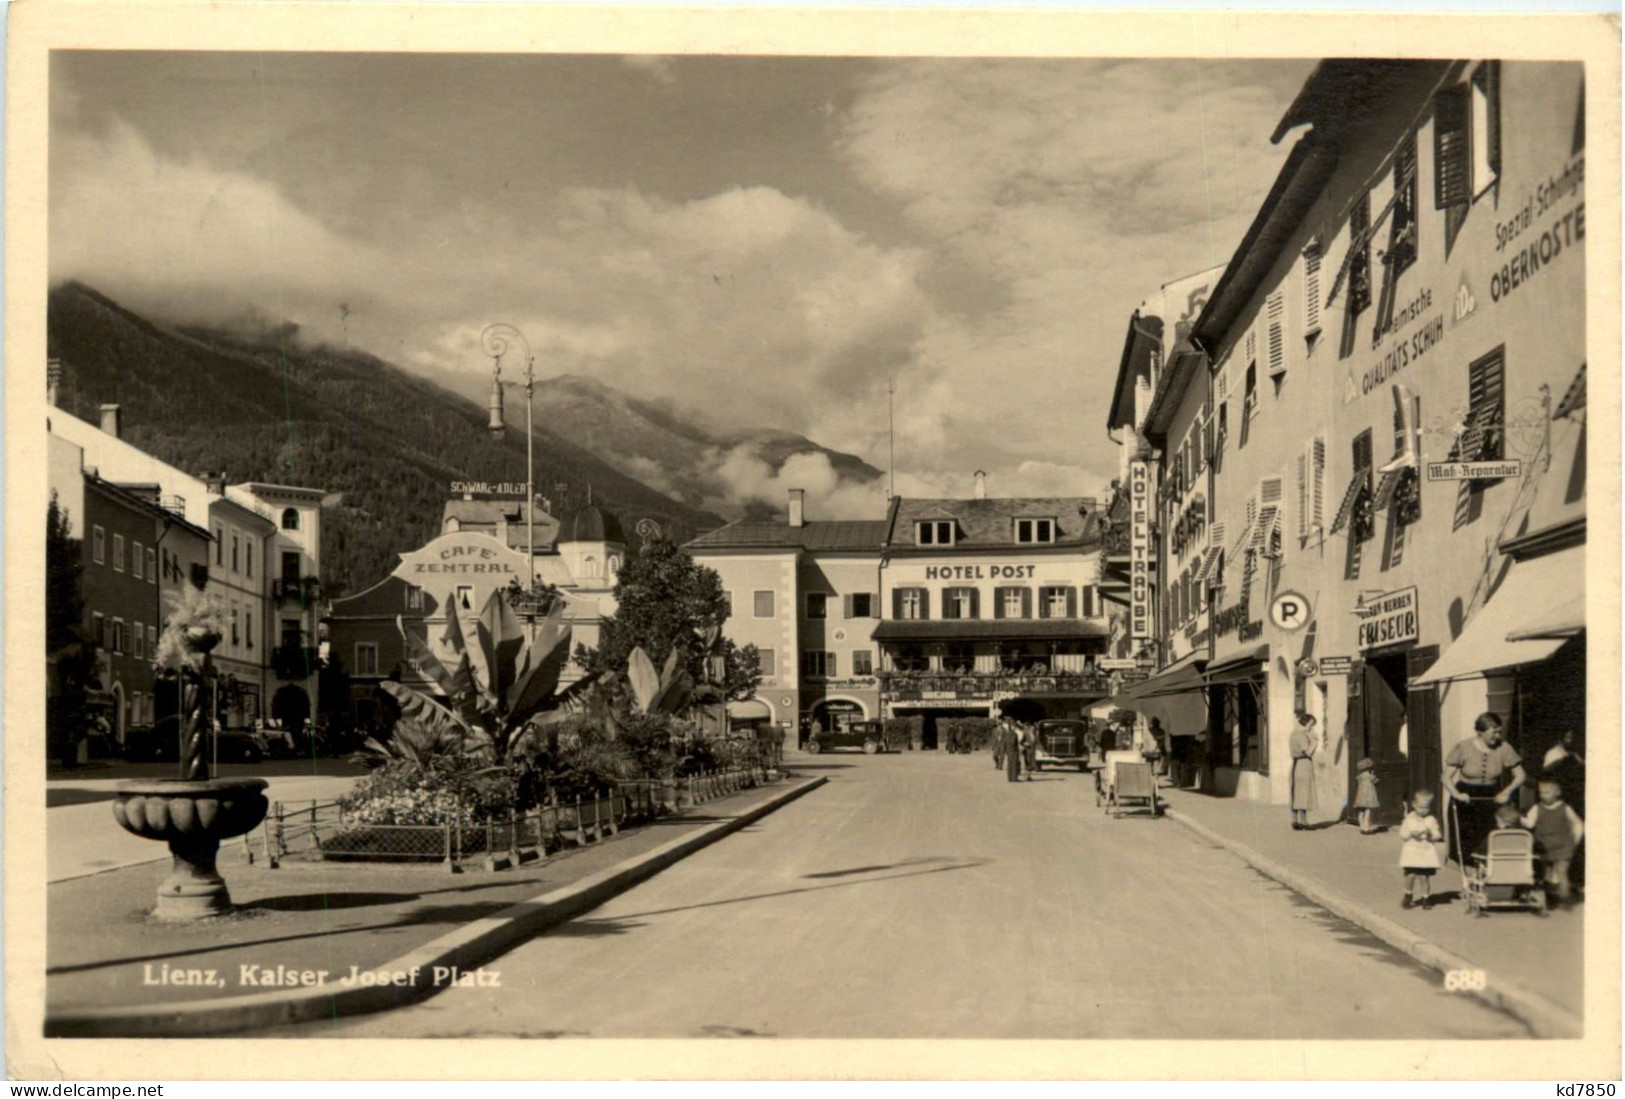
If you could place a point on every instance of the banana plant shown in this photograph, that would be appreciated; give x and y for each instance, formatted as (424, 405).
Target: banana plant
(495, 683)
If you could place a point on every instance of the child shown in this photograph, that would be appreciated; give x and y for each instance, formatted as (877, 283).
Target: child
(1418, 832)
(1557, 829)
(1365, 794)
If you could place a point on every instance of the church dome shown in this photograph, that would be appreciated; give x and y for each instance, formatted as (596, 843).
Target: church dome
(590, 524)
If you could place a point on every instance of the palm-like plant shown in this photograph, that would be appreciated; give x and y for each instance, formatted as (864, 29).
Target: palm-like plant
(498, 680)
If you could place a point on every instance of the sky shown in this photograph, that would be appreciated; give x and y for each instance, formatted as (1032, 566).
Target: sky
(767, 242)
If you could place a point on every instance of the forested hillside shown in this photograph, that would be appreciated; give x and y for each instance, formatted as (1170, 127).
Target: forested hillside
(267, 407)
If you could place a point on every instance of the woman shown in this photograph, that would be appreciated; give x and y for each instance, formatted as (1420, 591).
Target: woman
(1302, 747)
(1012, 754)
(1481, 773)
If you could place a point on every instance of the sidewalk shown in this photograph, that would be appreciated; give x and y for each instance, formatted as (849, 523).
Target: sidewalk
(1542, 955)
(81, 837)
(104, 953)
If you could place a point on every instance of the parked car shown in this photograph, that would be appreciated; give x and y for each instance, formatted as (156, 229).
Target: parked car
(1063, 741)
(161, 741)
(859, 734)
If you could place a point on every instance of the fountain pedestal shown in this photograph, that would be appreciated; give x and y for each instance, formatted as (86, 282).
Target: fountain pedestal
(192, 816)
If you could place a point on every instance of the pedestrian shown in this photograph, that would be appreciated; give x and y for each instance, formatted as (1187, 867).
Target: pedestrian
(1001, 743)
(1029, 749)
(1301, 746)
(1558, 830)
(1418, 832)
(1481, 772)
(1365, 794)
(1564, 763)
(1012, 754)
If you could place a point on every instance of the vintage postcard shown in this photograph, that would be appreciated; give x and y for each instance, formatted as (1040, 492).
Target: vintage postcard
(535, 522)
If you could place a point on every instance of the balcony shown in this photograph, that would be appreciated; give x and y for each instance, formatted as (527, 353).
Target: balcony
(984, 684)
(297, 589)
(294, 661)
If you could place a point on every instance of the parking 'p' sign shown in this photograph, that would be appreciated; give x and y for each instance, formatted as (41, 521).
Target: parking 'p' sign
(1290, 611)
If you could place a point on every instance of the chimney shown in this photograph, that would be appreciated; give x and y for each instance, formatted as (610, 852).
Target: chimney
(215, 480)
(980, 491)
(110, 419)
(798, 499)
(53, 380)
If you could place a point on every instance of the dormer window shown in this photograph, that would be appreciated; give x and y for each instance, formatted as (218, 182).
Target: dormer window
(934, 532)
(1035, 532)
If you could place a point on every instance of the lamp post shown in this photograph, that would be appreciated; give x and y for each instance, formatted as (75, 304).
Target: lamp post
(494, 341)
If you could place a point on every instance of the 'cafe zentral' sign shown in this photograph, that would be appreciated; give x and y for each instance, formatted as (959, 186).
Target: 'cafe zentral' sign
(1389, 619)
(462, 554)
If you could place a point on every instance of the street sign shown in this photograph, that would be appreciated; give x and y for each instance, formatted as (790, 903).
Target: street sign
(1289, 611)
(1117, 664)
(1336, 665)
(1474, 471)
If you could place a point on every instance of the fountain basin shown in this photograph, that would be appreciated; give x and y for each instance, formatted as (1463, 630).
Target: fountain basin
(192, 816)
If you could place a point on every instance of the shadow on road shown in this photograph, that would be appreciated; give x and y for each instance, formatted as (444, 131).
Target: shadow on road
(872, 869)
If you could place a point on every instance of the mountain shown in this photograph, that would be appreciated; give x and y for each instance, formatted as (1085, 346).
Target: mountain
(265, 406)
(674, 452)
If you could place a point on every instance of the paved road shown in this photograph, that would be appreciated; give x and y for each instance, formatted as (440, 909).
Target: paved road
(920, 895)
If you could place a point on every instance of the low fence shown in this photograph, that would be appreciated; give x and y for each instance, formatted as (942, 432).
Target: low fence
(325, 831)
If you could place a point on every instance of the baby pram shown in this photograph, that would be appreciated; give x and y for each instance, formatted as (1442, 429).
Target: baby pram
(1124, 783)
(1503, 875)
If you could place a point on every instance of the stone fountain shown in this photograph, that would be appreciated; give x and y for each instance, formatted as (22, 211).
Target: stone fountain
(195, 812)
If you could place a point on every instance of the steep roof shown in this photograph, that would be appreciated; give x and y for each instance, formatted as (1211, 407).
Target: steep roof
(985, 524)
(851, 535)
(591, 524)
(477, 514)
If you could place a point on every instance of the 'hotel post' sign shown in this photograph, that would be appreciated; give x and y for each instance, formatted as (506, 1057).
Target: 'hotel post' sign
(1139, 494)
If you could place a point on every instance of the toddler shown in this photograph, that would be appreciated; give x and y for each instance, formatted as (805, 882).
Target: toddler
(1418, 832)
(1365, 794)
(1557, 829)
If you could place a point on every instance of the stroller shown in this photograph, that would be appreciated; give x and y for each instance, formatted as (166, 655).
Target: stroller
(1503, 875)
(1125, 783)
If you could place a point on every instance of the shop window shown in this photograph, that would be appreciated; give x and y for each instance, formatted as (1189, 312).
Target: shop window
(118, 553)
(817, 664)
(863, 662)
(934, 532)
(1035, 531)
(960, 603)
(912, 603)
(768, 661)
(763, 604)
(366, 658)
(817, 604)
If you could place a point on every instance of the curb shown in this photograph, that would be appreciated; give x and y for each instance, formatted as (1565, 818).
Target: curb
(463, 949)
(1543, 1018)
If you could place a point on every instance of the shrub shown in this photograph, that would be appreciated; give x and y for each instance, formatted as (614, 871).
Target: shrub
(902, 732)
(967, 734)
(405, 792)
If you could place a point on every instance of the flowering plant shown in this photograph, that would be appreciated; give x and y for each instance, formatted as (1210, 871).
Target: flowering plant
(196, 622)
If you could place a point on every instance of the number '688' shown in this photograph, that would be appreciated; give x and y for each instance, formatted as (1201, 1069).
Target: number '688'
(1464, 980)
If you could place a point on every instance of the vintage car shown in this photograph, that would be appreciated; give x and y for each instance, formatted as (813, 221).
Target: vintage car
(859, 734)
(1063, 741)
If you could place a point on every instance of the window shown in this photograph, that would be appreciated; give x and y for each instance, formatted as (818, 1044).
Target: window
(118, 636)
(235, 639)
(1057, 603)
(911, 603)
(100, 632)
(764, 604)
(235, 558)
(139, 636)
(1481, 436)
(863, 662)
(934, 532)
(366, 658)
(290, 519)
(414, 598)
(860, 605)
(465, 597)
(1249, 403)
(219, 545)
(1013, 603)
(589, 565)
(152, 566)
(1035, 531)
(1361, 529)
(1402, 226)
(118, 553)
(1358, 268)
(959, 658)
(1311, 290)
(292, 636)
(1275, 312)
(290, 567)
(961, 603)
(1486, 117)
(152, 641)
(248, 557)
(817, 664)
(817, 604)
(767, 661)
(727, 604)
(138, 560)
(1311, 490)
(99, 545)
(248, 629)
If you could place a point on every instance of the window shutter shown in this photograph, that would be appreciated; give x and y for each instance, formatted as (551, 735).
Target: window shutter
(1317, 483)
(1270, 490)
(1311, 288)
(897, 602)
(1071, 602)
(846, 606)
(1277, 334)
(925, 603)
(1088, 600)
(1252, 345)
(1043, 603)
(1026, 602)
(975, 603)
(1452, 163)
(998, 602)
(1492, 92)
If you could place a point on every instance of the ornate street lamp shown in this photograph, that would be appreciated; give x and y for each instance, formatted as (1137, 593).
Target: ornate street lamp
(494, 341)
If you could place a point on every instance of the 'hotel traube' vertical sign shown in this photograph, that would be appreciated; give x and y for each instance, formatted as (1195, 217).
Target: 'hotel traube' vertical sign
(1139, 495)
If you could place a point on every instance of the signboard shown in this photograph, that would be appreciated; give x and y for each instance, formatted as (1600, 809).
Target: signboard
(940, 704)
(1389, 619)
(1132, 677)
(488, 488)
(1117, 664)
(1139, 481)
(1336, 665)
(1289, 611)
(1475, 471)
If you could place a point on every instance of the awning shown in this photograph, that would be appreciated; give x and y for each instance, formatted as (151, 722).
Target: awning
(1537, 597)
(749, 709)
(990, 629)
(1175, 696)
(1249, 665)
